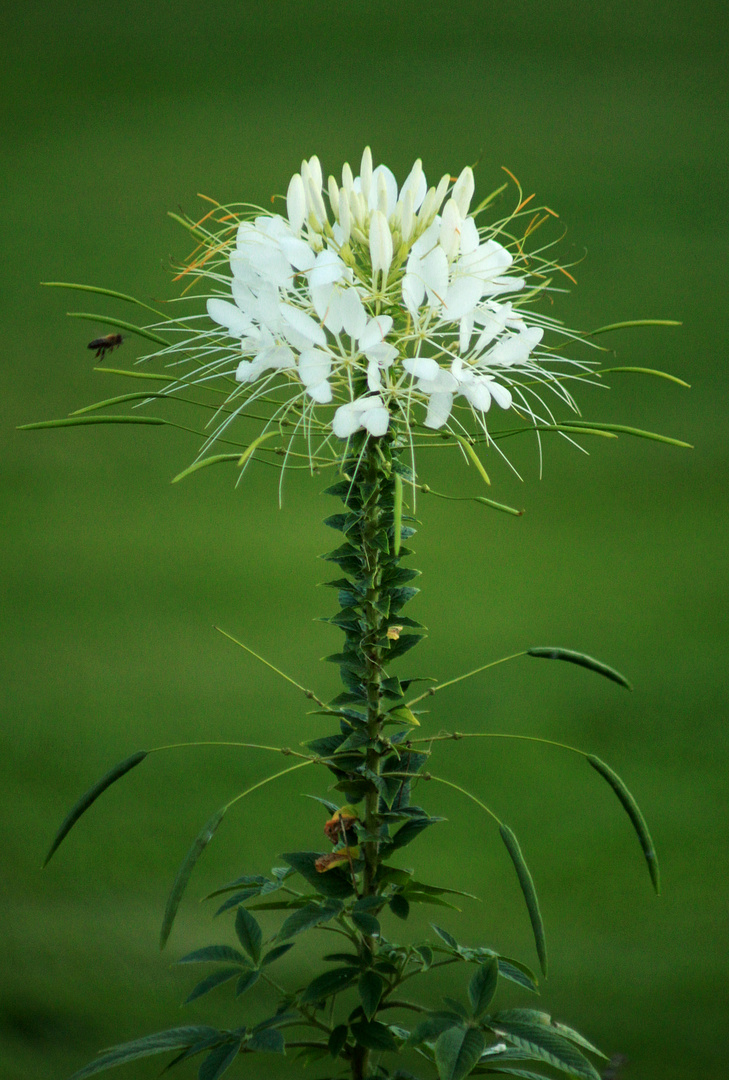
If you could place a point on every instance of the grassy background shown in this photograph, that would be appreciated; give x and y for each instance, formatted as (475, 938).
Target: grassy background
(112, 578)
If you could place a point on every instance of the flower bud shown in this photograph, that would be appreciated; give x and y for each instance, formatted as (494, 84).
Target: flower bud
(463, 190)
(296, 203)
(365, 173)
(380, 244)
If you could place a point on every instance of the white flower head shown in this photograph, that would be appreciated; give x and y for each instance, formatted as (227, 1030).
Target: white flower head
(365, 310)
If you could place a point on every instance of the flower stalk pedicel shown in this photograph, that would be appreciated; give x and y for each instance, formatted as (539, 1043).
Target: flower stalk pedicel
(368, 323)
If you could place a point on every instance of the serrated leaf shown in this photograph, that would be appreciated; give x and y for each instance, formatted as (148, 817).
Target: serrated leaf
(211, 982)
(457, 1051)
(304, 919)
(374, 1036)
(214, 953)
(543, 1042)
(482, 986)
(275, 954)
(529, 892)
(430, 1028)
(370, 988)
(183, 874)
(633, 811)
(159, 1043)
(246, 981)
(582, 660)
(269, 1040)
(89, 797)
(249, 933)
(331, 982)
(220, 1059)
(579, 1040)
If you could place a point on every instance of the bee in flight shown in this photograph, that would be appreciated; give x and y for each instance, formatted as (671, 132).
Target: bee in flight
(103, 345)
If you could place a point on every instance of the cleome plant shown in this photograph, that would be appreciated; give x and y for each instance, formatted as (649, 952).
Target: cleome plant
(353, 339)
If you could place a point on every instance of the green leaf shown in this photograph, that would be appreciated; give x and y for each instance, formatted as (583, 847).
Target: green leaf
(446, 937)
(408, 832)
(80, 421)
(457, 1051)
(159, 1043)
(431, 1028)
(91, 796)
(374, 1036)
(397, 515)
(400, 906)
(269, 1040)
(220, 1059)
(331, 982)
(184, 873)
(543, 1042)
(334, 883)
(575, 1037)
(633, 811)
(530, 893)
(482, 986)
(584, 661)
(275, 954)
(249, 933)
(370, 991)
(214, 953)
(305, 918)
(366, 924)
(216, 979)
(337, 1039)
(426, 955)
(246, 981)
(214, 460)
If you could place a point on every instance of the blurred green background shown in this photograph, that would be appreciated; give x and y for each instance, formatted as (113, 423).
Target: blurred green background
(115, 113)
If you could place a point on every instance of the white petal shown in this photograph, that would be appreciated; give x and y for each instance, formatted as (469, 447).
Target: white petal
(280, 357)
(315, 169)
(354, 317)
(346, 420)
(435, 275)
(413, 288)
(465, 331)
(322, 393)
(422, 367)
(450, 229)
(347, 178)
(243, 371)
(236, 322)
(383, 190)
(327, 269)
(494, 324)
(380, 243)
(439, 409)
(376, 421)
(469, 236)
(374, 382)
(314, 367)
(298, 253)
(345, 217)
(407, 217)
(365, 173)
(462, 297)
(296, 203)
(501, 395)
(376, 330)
(333, 191)
(416, 184)
(384, 353)
(304, 324)
(478, 394)
(463, 190)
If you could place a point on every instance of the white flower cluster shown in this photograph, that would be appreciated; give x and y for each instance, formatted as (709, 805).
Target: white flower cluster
(387, 307)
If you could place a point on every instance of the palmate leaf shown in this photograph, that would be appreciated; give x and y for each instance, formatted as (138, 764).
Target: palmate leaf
(633, 811)
(482, 986)
(249, 934)
(214, 954)
(159, 1043)
(334, 884)
(374, 1036)
(89, 798)
(543, 1042)
(220, 1059)
(331, 982)
(211, 982)
(305, 918)
(457, 1051)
